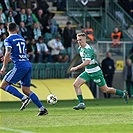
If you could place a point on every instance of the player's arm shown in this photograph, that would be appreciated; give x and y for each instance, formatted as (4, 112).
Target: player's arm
(6, 60)
(82, 65)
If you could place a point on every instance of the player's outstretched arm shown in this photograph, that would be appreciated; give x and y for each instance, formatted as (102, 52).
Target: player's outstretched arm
(82, 65)
(2, 59)
(6, 60)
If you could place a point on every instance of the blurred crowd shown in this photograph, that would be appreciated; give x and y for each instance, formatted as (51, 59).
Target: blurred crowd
(45, 40)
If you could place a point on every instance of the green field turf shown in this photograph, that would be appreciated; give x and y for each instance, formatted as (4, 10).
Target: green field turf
(100, 116)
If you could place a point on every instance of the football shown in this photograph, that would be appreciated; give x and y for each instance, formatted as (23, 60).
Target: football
(52, 99)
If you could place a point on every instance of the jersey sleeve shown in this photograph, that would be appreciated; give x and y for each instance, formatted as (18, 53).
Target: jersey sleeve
(7, 43)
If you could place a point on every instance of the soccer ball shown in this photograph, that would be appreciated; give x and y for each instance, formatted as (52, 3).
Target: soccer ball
(52, 99)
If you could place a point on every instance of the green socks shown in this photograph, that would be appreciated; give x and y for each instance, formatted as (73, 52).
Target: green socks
(119, 92)
(80, 98)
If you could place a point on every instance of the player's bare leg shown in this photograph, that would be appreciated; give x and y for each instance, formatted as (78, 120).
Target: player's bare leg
(35, 100)
(112, 90)
(26, 101)
(107, 89)
(77, 84)
(12, 90)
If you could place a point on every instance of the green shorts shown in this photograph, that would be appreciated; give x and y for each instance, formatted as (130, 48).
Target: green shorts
(97, 77)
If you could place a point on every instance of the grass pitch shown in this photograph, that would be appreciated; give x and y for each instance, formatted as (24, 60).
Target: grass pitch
(100, 116)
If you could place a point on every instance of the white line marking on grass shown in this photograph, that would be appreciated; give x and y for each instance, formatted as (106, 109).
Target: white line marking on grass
(15, 130)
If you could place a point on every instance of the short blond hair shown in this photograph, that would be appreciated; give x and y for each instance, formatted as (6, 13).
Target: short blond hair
(81, 34)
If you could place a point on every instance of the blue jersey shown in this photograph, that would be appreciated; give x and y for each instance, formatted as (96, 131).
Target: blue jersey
(22, 67)
(17, 43)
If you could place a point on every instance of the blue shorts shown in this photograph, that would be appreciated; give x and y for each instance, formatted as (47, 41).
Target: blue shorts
(22, 74)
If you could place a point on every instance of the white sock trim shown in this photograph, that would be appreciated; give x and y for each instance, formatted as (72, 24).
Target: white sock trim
(24, 97)
(41, 109)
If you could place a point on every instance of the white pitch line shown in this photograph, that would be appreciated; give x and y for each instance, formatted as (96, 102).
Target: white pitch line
(15, 130)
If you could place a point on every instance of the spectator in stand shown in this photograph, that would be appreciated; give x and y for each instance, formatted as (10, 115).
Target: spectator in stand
(14, 13)
(10, 17)
(50, 24)
(41, 18)
(14, 5)
(69, 35)
(46, 27)
(2, 15)
(108, 68)
(29, 50)
(31, 18)
(56, 48)
(43, 5)
(128, 76)
(21, 16)
(34, 48)
(116, 37)
(34, 7)
(24, 32)
(2, 29)
(121, 18)
(4, 36)
(43, 52)
(37, 30)
(5, 4)
(26, 4)
(89, 32)
(1, 48)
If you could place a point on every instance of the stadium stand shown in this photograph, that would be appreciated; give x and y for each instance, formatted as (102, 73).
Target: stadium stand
(99, 13)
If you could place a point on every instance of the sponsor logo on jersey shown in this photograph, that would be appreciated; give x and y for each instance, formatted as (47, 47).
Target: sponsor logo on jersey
(97, 80)
(22, 56)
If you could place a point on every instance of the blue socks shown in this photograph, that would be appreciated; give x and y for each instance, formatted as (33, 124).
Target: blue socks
(35, 100)
(12, 90)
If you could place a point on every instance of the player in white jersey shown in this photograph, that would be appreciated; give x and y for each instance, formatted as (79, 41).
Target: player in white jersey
(16, 51)
(92, 71)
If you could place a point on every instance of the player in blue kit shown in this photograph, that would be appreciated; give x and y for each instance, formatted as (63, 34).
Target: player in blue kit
(16, 51)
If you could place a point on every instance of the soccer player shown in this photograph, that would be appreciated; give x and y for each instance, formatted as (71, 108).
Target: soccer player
(92, 71)
(16, 51)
